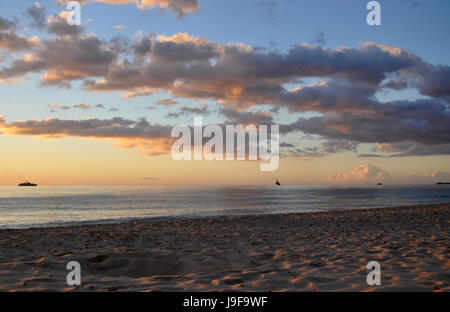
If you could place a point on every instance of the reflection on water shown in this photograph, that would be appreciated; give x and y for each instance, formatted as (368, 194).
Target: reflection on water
(52, 206)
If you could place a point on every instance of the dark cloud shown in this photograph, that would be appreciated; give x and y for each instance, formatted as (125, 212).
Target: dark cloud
(285, 144)
(435, 82)
(335, 95)
(231, 73)
(69, 59)
(182, 49)
(72, 56)
(20, 67)
(13, 42)
(119, 44)
(143, 45)
(408, 148)
(6, 24)
(235, 73)
(36, 14)
(423, 122)
(63, 60)
(337, 146)
(319, 39)
(306, 152)
(245, 117)
(184, 110)
(57, 25)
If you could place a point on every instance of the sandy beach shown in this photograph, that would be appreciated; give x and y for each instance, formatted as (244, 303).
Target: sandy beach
(325, 251)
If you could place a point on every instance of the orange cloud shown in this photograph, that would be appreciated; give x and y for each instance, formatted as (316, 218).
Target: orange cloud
(153, 138)
(179, 7)
(364, 173)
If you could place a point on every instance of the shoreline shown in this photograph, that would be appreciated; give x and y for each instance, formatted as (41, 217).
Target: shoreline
(174, 218)
(307, 251)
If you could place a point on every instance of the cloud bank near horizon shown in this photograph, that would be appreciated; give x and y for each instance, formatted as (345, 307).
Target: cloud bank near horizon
(370, 174)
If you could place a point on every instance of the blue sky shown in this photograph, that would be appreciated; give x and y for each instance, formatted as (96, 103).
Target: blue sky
(412, 24)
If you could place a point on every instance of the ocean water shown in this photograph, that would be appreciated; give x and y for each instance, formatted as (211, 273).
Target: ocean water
(44, 206)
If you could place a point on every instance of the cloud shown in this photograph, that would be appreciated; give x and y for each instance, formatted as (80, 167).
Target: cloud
(166, 102)
(249, 84)
(184, 110)
(319, 39)
(7, 25)
(231, 73)
(74, 58)
(36, 13)
(336, 146)
(408, 148)
(246, 117)
(435, 82)
(153, 138)
(424, 123)
(285, 144)
(55, 106)
(61, 60)
(57, 25)
(12, 42)
(179, 7)
(305, 152)
(364, 173)
(238, 74)
(82, 106)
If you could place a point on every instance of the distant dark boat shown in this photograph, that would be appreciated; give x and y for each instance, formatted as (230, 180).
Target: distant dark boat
(27, 184)
(379, 183)
(277, 182)
(440, 183)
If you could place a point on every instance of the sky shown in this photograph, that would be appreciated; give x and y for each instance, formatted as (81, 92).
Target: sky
(94, 104)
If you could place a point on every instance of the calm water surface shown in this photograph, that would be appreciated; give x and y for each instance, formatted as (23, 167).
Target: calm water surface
(43, 206)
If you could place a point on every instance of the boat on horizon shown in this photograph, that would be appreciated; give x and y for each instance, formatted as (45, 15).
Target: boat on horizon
(27, 183)
(440, 183)
(277, 182)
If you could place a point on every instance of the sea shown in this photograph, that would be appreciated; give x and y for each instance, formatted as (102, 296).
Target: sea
(50, 206)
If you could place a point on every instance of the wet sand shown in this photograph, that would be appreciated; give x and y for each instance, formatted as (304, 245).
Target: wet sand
(325, 251)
